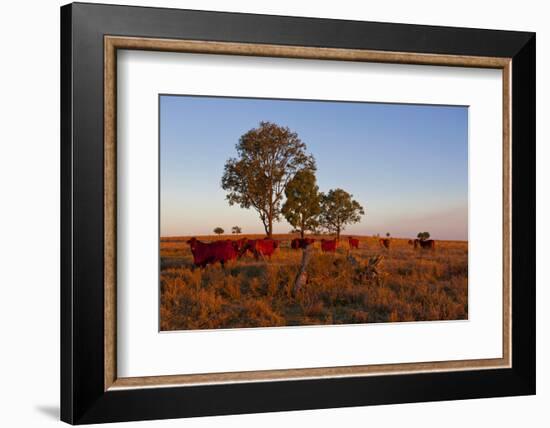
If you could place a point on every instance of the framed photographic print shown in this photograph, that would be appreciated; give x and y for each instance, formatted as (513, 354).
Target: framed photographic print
(265, 213)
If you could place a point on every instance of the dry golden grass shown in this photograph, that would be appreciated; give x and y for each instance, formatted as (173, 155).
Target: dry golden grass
(415, 285)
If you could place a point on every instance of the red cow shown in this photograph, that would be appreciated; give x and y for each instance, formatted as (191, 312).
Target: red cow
(353, 242)
(210, 253)
(329, 245)
(385, 243)
(263, 247)
(301, 243)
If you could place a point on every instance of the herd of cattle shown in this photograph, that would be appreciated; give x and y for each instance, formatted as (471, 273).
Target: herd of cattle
(226, 250)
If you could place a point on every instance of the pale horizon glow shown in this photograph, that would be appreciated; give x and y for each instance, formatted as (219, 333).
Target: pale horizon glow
(406, 164)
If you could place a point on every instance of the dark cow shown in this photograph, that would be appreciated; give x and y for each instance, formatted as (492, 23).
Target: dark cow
(329, 245)
(414, 243)
(301, 243)
(210, 253)
(428, 244)
(262, 247)
(385, 243)
(240, 245)
(353, 242)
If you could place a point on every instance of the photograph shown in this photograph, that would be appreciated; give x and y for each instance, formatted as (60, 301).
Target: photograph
(283, 212)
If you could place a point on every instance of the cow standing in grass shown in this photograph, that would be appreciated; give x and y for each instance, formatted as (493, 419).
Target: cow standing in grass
(427, 244)
(262, 247)
(240, 244)
(353, 242)
(329, 245)
(301, 244)
(385, 243)
(213, 252)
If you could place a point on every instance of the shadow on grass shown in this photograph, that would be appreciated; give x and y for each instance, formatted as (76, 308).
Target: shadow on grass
(249, 270)
(176, 262)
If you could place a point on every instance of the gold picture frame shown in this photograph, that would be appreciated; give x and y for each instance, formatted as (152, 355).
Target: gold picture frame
(114, 43)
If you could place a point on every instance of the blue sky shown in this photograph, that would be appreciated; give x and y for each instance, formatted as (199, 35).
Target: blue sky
(406, 164)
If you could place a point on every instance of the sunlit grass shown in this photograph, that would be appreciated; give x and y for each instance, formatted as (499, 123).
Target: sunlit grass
(415, 285)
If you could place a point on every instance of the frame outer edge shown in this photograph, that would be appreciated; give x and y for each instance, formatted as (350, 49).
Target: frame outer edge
(66, 178)
(524, 216)
(243, 27)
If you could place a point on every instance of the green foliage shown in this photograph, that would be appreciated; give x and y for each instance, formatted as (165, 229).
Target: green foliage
(236, 230)
(267, 159)
(338, 209)
(423, 235)
(303, 202)
(218, 231)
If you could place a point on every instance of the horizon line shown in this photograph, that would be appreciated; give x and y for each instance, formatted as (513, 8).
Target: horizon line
(308, 234)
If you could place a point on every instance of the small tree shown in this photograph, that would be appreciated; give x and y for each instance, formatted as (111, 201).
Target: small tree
(268, 157)
(423, 236)
(302, 204)
(387, 234)
(236, 230)
(218, 231)
(338, 209)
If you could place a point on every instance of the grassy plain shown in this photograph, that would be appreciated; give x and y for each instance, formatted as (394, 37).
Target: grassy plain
(413, 285)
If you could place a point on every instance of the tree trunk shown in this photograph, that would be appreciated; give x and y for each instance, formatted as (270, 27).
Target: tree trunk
(270, 226)
(270, 213)
(338, 233)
